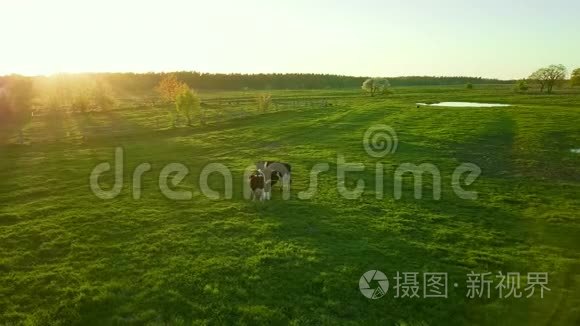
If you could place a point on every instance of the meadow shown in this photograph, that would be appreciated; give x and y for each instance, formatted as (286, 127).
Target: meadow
(68, 257)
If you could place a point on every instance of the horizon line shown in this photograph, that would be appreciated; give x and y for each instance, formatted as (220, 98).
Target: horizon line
(244, 74)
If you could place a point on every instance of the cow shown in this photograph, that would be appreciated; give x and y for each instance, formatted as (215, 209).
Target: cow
(276, 171)
(267, 174)
(257, 184)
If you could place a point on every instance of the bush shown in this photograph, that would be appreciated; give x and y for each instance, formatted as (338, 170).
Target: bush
(521, 86)
(264, 102)
(469, 86)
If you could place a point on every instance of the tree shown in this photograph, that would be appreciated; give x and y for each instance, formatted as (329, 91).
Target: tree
(20, 92)
(188, 102)
(521, 86)
(469, 86)
(169, 87)
(375, 85)
(5, 109)
(102, 97)
(57, 91)
(556, 75)
(16, 93)
(549, 77)
(575, 78)
(264, 102)
(81, 100)
(539, 77)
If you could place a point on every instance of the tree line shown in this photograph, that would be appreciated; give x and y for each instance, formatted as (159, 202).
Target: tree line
(133, 83)
(96, 91)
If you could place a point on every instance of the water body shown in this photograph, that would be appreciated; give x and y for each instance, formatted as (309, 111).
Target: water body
(464, 104)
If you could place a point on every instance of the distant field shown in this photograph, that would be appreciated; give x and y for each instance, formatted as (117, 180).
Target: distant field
(67, 257)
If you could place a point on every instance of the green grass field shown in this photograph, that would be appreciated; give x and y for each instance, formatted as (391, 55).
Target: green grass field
(68, 257)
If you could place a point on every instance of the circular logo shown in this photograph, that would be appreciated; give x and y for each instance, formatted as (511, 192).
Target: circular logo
(380, 140)
(380, 286)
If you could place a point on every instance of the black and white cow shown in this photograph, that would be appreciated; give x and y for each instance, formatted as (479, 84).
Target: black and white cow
(257, 184)
(272, 173)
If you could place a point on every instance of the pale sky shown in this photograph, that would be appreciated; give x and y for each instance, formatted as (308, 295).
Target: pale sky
(489, 38)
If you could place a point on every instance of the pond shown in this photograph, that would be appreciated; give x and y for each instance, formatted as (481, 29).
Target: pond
(464, 104)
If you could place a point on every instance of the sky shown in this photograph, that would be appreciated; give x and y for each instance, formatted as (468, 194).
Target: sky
(498, 39)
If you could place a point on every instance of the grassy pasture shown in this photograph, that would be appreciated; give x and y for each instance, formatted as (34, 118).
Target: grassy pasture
(68, 257)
